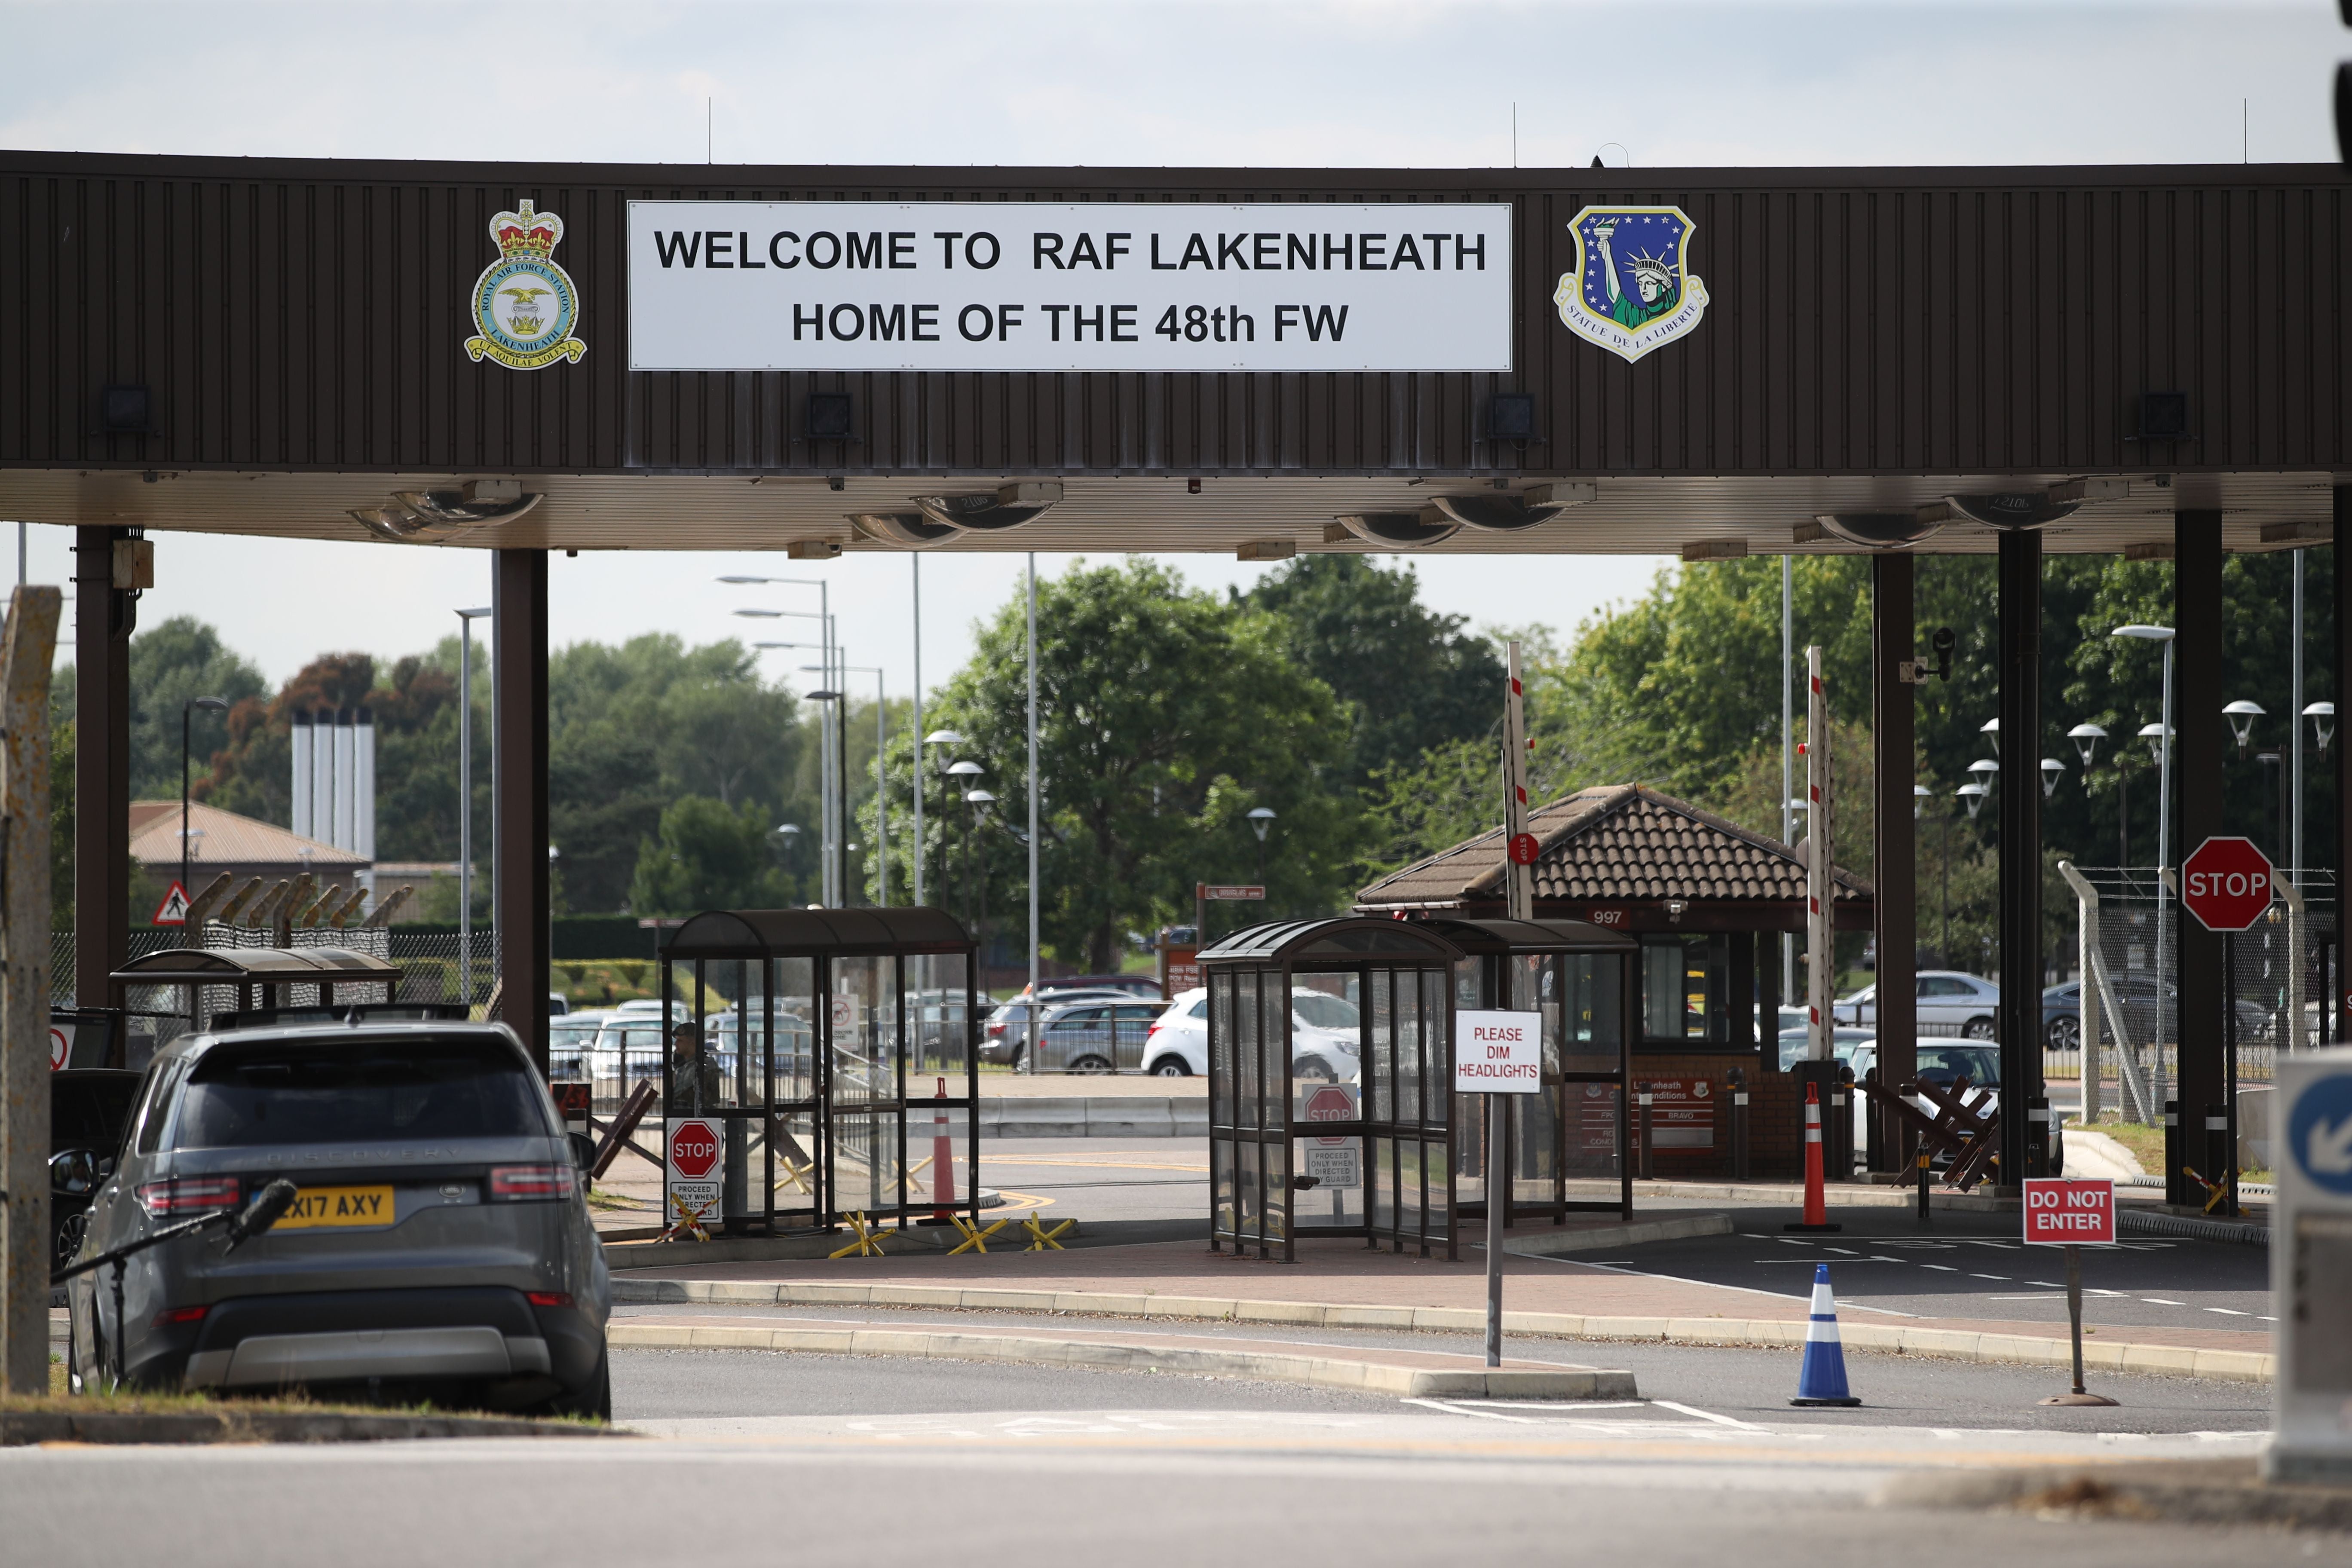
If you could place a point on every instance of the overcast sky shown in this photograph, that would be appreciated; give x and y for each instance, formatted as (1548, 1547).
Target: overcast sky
(1264, 83)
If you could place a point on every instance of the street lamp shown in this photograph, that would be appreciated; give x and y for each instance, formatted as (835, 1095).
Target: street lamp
(979, 800)
(936, 737)
(1260, 819)
(832, 734)
(1919, 796)
(2241, 715)
(2160, 743)
(1987, 773)
(1991, 730)
(210, 705)
(2053, 770)
(838, 830)
(1973, 795)
(2156, 736)
(881, 787)
(2322, 722)
(2086, 739)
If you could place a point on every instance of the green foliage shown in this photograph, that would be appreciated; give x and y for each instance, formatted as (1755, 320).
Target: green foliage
(705, 855)
(1165, 716)
(1411, 680)
(171, 664)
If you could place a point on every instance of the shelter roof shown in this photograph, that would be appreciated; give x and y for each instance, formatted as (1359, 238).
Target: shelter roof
(1530, 936)
(1347, 938)
(1614, 842)
(218, 838)
(229, 966)
(791, 933)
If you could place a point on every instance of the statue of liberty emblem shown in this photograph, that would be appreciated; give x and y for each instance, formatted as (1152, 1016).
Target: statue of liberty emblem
(1632, 289)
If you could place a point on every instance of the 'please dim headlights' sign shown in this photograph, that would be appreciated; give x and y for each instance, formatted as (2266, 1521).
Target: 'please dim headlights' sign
(1497, 1053)
(1008, 286)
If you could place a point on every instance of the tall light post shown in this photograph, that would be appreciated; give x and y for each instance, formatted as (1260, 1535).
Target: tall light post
(922, 769)
(187, 708)
(466, 619)
(838, 846)
(1260, 819)
(979, 801)
(790, 832)
(2161, 744)
(2053, 770)
(881, 787)
(830, 738)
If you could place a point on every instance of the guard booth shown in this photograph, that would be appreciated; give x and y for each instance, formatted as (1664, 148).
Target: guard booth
(1580, 977)
(1390, 1154)
(189, 989)
(821, 1040)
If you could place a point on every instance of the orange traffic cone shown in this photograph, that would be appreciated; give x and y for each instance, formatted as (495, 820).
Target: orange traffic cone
(942, 1161)
(1817, 1210)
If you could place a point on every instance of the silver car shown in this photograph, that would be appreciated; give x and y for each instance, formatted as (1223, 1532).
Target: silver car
(440, 1244)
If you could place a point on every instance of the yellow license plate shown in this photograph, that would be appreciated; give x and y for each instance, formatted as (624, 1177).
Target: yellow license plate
(339, 1207)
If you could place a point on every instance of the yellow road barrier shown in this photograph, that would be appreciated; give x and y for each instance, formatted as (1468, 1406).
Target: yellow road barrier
(974, 1238)
(868, 1242)
(1040, 1238)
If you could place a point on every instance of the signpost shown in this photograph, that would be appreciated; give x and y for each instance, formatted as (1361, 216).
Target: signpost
(2311, 1267)
(2227, 884)
(690, 1185)
(1496, 1054)
(2072, 1212)
(1223, 892)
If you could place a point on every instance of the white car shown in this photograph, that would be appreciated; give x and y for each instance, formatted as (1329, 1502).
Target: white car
(1941, 1063)
(1324, 1033)
(1950, 1002)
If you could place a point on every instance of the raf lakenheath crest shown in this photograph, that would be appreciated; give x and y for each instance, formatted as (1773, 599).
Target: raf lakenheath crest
(524, 304)
(1632, 289)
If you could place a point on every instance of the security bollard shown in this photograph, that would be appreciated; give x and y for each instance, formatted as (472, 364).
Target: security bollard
(2220, 1163)
(1837, 1143)
(2175, 1185)
(1922, 1186)
(1647, 1141)
(1874, 1155)
(2037, 1136)
(1738, 1125)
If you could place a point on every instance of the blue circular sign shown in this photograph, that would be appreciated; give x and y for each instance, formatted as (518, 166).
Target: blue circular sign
(2320, 1133)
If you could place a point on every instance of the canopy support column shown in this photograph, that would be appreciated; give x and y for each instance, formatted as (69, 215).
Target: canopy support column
(2021, 844)
(1893, 639)
(2341, 592)
(104, 617)
(2196, 754)
(523, 908)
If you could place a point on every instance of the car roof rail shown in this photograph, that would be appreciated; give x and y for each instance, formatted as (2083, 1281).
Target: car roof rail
(353, 1013)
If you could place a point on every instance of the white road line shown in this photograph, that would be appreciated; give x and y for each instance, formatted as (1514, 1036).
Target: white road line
(2046, 1284)
(2160, 1301)
(1940, 1267)
(1452, 1409)
(2229, 1311)
(1711, 1284)
(1706, 1414)
(2002, 1277)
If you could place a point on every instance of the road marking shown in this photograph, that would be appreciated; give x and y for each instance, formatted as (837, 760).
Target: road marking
(1710, 1284)
(1706, 1414)
(2229, 1311)
(2160, 1301)
(2060, 1296)
(1940, 1267)
(2260, 1319)
(2046, 1284)
(2002, 1277)
(1847, 1250)
(1450, 1408)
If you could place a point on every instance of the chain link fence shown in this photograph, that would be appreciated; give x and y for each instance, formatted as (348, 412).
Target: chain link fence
(2127, 1015)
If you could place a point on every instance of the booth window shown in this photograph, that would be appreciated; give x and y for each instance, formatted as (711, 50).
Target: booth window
(1686, 990)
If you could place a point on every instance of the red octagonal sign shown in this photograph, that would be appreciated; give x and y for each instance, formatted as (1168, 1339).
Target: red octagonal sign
(694, 1149)
(2226, 883)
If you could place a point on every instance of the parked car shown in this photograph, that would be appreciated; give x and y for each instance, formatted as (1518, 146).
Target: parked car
(1146, 986)
(1943, 1063)
(1794, 1043)
(2061, 1012)
(89, 1107)
(1950, 1002)
(439, 1247)
(1326, 1033)
(1005, 1036)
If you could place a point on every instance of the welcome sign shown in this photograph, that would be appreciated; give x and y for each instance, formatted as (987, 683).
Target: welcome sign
(1015, 286)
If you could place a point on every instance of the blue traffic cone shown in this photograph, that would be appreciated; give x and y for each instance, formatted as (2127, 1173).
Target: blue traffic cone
(1821, 1379)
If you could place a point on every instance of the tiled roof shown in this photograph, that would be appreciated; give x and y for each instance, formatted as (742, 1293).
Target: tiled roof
(220, 839)
(1615, 841)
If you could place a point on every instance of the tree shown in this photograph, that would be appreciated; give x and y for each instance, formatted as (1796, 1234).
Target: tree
(1165, 715)
(707, 855)
(1412, 679)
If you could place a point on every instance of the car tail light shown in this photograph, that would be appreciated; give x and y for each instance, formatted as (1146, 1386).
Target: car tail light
(548, 1297)
(184, 1196)
(171, 1315)
(530, 1184)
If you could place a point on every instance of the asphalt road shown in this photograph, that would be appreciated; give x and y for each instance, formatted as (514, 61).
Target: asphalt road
(1885, 1262)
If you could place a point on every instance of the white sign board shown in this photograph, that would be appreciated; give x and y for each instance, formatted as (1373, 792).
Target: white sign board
(2311, 1268)
(1332, 1163)
(692, 1147)
(1497, 1053)
(1034, 286)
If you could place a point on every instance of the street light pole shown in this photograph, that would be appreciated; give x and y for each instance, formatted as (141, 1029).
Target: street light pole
(881, 794)
(1260, 819)
(2163, 749)
(915, 559)
(211, 705)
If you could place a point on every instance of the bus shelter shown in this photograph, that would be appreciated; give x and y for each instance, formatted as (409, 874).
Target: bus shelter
(1581, 978)
(213, 983)
(1363, 1156)
(819, 1041)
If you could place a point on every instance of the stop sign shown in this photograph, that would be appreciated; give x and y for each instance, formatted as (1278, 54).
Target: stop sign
(693, 1149)
(1330, 1103)
(2226, 883)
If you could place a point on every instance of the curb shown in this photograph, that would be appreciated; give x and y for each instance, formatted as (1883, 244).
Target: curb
(20, 1427)
(1320, 1371)
(2111, 1355)
(1566, 1241)
(627, 1255)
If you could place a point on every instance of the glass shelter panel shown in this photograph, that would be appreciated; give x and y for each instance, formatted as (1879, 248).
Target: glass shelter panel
(939, 1019)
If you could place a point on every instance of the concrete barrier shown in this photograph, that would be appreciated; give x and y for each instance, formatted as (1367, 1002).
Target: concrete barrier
(1094, 1116)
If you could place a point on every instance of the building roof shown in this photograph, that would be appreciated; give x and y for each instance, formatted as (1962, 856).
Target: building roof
(218, 840)
(1616, 843)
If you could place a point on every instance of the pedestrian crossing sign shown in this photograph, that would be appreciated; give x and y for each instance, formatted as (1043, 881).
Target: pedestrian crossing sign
(173, 910)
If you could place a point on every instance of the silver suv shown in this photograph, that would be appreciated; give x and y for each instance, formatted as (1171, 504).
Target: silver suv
(440, 1243)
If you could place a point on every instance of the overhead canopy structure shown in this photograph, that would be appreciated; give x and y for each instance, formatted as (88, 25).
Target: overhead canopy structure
(217, 981)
